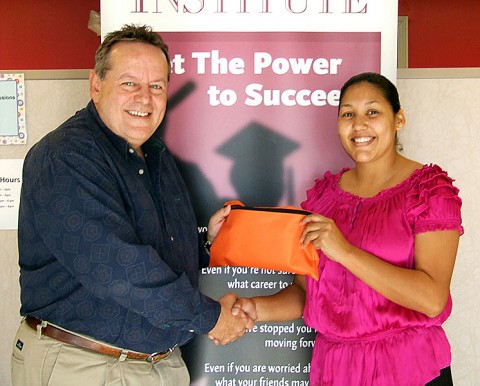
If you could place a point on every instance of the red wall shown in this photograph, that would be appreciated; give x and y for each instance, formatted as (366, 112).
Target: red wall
(47, 34)
(53, 34)
(442, 33)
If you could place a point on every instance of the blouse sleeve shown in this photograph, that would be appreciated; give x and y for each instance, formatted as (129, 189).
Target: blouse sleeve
(433, 203)
(316, 191)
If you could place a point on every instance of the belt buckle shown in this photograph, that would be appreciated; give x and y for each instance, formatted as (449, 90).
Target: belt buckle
(151, 358)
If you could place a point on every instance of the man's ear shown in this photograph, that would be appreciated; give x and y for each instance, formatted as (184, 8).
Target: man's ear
(95, 85)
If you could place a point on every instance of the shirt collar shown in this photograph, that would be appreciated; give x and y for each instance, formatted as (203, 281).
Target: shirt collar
(119, 143)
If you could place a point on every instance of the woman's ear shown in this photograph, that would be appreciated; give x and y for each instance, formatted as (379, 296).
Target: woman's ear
(400, 119)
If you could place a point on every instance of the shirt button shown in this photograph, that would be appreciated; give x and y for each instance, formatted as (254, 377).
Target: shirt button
(141, 171)
(131, 151)
(171, 238)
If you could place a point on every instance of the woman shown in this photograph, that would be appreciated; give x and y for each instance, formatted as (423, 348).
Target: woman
(387, 231)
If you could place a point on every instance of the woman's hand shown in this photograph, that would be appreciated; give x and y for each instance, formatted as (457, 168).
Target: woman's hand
(324, 234)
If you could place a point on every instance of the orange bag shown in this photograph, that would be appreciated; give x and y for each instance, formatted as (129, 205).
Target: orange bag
(264, 237)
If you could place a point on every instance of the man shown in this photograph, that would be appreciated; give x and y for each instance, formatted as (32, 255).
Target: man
(108, 242)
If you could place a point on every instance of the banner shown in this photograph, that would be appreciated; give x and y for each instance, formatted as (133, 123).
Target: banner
(262, 15)
(253, 101)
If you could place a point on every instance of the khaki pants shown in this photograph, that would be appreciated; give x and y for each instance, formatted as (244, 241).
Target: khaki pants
(46, 361)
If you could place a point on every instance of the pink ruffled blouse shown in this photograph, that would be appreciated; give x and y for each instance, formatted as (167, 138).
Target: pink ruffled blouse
(362, 337)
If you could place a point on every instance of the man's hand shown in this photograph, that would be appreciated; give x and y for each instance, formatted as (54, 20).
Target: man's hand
(216, 221)
(229, 327)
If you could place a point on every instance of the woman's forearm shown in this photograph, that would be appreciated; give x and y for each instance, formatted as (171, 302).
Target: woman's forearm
(283, 306)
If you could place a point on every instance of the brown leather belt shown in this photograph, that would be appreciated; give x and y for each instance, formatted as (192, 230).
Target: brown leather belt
(92, 345)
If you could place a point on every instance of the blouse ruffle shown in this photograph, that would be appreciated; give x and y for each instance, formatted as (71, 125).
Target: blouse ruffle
(433, 203)
(372, 336)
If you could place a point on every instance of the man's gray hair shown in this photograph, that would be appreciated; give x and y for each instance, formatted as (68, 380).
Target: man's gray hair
(128, 33)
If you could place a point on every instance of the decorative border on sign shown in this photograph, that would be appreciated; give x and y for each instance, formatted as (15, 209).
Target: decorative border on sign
(17, 136)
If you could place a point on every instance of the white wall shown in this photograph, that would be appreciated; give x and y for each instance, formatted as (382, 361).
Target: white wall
(48, 103)
(443, 128)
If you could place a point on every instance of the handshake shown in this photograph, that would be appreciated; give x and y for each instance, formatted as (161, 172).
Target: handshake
(237, 315)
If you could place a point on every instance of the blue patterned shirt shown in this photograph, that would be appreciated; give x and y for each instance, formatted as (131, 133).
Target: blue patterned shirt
(108, 243)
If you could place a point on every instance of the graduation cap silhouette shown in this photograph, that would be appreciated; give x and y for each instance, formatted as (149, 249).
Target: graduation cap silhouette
(258, 174)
